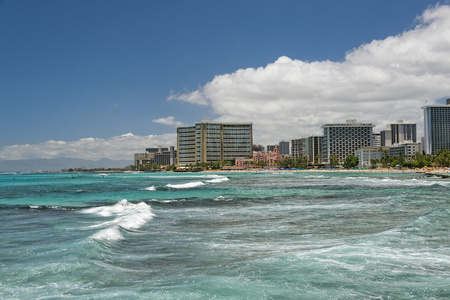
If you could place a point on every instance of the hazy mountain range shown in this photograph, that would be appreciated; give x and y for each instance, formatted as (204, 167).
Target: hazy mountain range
(57, 164)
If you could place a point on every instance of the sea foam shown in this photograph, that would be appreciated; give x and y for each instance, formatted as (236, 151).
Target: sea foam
(193, 184)
(218, 180)
(185, 185)
(126, 215)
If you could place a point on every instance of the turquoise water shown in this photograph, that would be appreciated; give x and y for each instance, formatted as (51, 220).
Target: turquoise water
(263, 235)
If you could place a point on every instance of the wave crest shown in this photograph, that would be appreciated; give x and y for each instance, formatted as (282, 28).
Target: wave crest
(218, 180)
(193, 184)
(126, 215)
(185, 185)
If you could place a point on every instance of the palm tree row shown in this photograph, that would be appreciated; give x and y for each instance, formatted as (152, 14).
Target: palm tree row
(300, 162)
(419, 160)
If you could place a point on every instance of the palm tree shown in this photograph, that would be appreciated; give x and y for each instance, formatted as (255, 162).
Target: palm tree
(334, 160)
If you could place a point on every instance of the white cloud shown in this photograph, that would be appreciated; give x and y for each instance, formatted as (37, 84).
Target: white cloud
(380, 82)
(195, 97)
(118, 147)
(170, 121)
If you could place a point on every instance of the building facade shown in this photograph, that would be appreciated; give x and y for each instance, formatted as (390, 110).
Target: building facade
(311, 147)
(405, 149)
(437, 127)
(269, 158)
(299, 147)
(376, 139)
(270, 148)
(402, 132)
(209, 142)
(345, 139)
(160, 156)
(186, 145)
(315, 149)
(367, 154)
(385, 140)
(283, 148)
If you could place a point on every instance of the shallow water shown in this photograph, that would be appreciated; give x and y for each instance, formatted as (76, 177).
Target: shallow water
(267, 235)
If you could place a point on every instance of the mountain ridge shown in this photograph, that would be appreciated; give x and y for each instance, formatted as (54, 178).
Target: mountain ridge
(60, 163)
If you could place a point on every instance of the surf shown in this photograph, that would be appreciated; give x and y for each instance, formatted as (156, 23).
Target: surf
(194, 184)
(125, 215)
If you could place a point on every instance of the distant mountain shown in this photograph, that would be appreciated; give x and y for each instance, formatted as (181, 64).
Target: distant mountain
(57, 164)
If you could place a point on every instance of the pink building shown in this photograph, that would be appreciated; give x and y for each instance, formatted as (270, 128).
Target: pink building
(269, 158)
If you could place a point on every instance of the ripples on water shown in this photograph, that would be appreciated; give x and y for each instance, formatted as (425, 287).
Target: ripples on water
(225, 236)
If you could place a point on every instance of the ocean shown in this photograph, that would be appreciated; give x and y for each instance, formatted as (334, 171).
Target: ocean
(266, 235)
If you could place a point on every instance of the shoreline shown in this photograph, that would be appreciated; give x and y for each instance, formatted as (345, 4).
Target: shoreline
(437, 171)
(444, 171)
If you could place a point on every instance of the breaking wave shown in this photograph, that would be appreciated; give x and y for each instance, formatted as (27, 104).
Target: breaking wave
(395, 182)
(125, 215)
(218, 180)
(185, 185)
(193, 184)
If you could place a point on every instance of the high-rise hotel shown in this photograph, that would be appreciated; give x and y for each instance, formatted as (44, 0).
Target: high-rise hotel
(344, 139)
(437, 127)
(402, 132)
(311, 147)
(209, 142)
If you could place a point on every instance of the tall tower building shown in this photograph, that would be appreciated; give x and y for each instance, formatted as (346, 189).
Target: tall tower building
(315, 149)
(376, 139)
(209, 142)
(299, 147)
(345, 139)
(386, 139)
(283, 147)
(401, 132)
(310, 147)
(437, 127)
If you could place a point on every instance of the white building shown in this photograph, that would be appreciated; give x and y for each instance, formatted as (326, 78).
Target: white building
(345, 139)
(367, 154)
(405, 149)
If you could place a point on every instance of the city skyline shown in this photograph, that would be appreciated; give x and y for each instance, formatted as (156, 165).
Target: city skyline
(107, 79)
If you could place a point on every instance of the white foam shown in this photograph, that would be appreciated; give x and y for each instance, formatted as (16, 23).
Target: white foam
(106, 211)
(126, 215)
(212, 176)
(341, 264)
(221, 198)
(185, 185)
(109, 234)
(393, 182)
(218, 180)
(150, 188)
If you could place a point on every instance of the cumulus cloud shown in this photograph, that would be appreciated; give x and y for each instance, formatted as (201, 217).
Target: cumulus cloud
(118, 147)
(379, 82)
(170, 121)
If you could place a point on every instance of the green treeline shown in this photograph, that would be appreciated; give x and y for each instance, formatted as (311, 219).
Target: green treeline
(300, 162)
(419, 160)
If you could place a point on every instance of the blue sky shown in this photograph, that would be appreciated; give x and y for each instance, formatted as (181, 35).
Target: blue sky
(80, 72)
